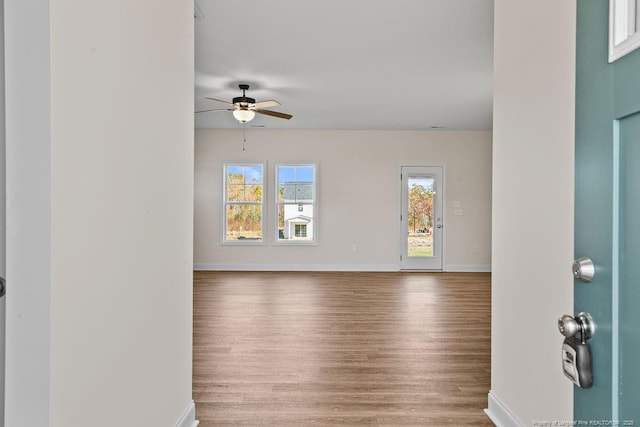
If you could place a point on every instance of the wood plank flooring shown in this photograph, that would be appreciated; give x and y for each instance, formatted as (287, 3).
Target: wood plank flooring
(298, 349)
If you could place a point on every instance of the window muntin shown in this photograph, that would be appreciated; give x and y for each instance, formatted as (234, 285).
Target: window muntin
(301, 230)
(243, 203)
(296, 203)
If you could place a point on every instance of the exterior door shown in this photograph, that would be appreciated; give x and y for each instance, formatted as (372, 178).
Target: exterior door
(607, 219)
(421, 218)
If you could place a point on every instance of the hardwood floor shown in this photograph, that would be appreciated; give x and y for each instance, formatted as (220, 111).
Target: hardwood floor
(298, 349)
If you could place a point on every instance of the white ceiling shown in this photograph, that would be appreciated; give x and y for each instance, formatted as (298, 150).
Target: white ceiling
(348, 64)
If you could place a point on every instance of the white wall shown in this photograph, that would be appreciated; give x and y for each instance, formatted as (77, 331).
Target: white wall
(358, 196)
(533, 168)
(100, 208)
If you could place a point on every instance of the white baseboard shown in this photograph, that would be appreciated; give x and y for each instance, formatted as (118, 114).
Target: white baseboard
(188, 418)
(500, 414)
(468, 268)
(294, 267)
(207, 266)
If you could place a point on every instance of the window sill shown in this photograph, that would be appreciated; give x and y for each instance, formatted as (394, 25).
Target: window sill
(294, 242)
(243, 242)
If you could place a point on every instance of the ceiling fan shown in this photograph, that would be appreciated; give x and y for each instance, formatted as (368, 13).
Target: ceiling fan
(244, 108)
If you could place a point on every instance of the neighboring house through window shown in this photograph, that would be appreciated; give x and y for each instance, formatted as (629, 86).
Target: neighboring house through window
(296, 203)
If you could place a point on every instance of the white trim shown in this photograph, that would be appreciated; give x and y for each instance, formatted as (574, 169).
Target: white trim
(500, 414)
(295, 242)
(188, 418)
(204, 266)
(471, 268)
(622, 15)
(451, 268)
(629, 45)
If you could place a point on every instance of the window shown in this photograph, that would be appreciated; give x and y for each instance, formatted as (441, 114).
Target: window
(624, 27)
(296, 203)
(243, 203)
(301, 230)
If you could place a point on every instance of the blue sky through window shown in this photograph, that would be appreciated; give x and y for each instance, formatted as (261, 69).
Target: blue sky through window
(295, 174)
(251, 174)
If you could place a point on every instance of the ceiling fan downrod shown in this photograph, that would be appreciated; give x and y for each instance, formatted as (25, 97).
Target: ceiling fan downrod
(243, 101)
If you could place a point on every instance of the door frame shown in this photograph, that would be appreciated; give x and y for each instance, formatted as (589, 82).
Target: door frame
(442, 191)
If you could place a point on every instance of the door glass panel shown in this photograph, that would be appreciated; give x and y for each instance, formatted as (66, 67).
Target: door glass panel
(420, 216)
(624, 26)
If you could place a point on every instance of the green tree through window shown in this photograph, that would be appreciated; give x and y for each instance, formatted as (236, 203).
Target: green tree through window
(420, 207)
(244, 202)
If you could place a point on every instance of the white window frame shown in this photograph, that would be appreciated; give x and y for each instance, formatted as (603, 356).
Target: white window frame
(314, 203)
(624, 31)
(225, 203)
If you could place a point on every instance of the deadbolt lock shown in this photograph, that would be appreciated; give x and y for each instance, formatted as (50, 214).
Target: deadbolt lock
(583, 269)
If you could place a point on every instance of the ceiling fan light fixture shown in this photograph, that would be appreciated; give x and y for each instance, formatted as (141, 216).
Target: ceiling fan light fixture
(244, 108)
(243, 115)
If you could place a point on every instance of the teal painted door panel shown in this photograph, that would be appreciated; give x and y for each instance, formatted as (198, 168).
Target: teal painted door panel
(607, 216)
(626, 77)
(628, 355)
(593, 197)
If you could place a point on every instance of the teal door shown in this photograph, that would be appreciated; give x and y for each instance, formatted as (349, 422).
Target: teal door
(607, 219)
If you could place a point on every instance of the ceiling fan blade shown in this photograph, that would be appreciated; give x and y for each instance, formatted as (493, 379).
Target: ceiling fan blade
(219, 100)
(215, 110)
(274, 114)
(265, 104)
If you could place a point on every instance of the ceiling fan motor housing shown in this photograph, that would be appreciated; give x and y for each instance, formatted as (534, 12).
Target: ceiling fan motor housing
(243, 101)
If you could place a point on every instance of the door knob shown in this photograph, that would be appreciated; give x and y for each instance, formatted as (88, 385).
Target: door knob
(570, 326)
(583, 269)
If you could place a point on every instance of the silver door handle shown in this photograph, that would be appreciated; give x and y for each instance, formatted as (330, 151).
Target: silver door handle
(3, 287)
(570, 326)
(439, 225)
